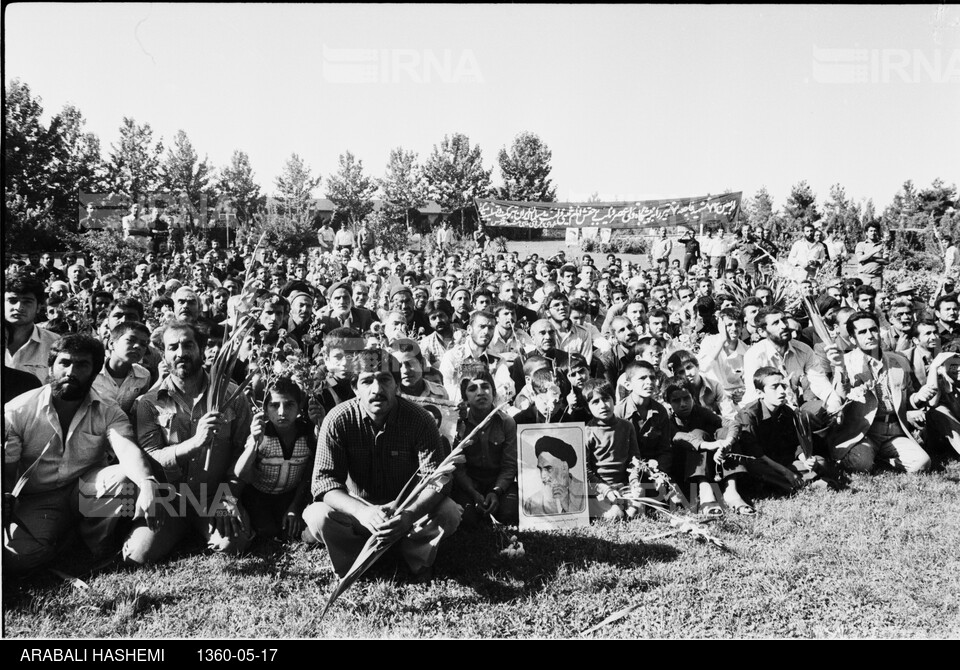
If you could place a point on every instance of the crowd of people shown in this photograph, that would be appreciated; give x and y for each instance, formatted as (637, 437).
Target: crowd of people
(121, 427)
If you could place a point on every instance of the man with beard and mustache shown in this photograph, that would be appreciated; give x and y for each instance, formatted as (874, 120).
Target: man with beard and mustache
(440, 341)
(807, 381)
(806, 254)
(367, 450)
(197, 448)
(474, 347)
(56, 437)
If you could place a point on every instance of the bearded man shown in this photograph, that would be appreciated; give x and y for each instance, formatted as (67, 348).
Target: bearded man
(197, 448)
(55, 440)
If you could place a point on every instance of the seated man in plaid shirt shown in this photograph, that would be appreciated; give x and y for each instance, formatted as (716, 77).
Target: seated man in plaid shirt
(368, 449)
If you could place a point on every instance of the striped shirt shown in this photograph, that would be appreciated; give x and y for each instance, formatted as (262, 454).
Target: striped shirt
(277, 472)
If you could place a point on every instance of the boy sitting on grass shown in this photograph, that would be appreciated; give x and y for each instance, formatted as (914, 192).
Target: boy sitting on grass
(768, 432)
(706, 391)
(122, 378)
(698, 431)
(650, 420)
(277, 461)
(486, 484)
(611, 448)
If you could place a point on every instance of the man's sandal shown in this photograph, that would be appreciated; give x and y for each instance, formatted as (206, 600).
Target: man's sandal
(744, 510)
(710, 509)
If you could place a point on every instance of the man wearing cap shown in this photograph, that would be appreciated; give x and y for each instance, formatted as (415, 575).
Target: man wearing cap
(340, 311)
(460, 300)
(301, 315)
(438, 288)
(368, 449)
(356, 269)
(562, 493)
(382, 268)
(906, 290)
(401, 300)
(899, 335)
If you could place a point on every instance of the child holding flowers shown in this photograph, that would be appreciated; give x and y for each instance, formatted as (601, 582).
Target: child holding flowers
(277, 461)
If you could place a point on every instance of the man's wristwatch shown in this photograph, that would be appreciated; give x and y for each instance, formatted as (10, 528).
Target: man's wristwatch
(497, 490)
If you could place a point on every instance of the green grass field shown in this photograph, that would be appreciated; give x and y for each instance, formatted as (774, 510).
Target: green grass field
(877, 560)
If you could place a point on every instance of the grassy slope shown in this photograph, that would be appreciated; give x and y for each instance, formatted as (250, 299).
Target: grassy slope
(876, 560)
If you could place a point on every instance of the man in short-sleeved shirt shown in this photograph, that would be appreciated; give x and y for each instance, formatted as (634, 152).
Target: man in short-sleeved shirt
(56, 438)
(197, 449)
(27, 346)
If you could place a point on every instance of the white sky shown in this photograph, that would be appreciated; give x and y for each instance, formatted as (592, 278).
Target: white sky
(634, 101)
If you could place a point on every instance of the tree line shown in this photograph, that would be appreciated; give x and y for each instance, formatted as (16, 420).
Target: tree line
(48, 166)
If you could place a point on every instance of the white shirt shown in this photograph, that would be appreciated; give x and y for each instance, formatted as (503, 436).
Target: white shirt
(33, 356)
(124, 392)
(800, 366)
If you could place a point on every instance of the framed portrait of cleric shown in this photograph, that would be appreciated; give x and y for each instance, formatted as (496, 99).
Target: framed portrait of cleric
(552, 475)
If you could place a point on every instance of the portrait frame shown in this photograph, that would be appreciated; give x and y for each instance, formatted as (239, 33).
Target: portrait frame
(539, 510)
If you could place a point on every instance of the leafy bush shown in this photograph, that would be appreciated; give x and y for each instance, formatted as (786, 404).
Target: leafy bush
(390, 234)
(627, 244)
(110, 248)
(289, 235)
(925, 283)
(28, 229)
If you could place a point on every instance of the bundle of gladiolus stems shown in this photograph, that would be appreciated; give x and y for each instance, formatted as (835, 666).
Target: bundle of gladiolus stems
(438, 479)
(673, 495)
(221, 370)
